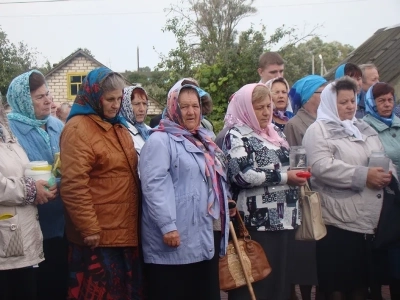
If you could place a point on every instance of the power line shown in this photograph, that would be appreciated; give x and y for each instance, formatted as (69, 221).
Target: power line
(312, 3)
(40, 1)
(148, 12)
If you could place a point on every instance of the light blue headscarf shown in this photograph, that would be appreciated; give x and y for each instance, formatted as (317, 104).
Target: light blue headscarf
(19, 98)
(370, 108)
(340, 71)
(303, 90)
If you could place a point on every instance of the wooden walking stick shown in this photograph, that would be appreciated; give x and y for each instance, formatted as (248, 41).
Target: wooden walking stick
(237, 248)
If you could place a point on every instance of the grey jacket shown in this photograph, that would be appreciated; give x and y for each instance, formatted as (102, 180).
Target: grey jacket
(297, 127)
(339, 168)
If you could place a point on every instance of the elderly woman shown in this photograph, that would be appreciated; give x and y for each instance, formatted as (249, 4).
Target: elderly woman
(21, 247)
(338, 148)
(101, 193)
(38, 133)
(264, 189)
(279, 88)
(134, 110)
(305, 97)
(379, 104)
(185, 206)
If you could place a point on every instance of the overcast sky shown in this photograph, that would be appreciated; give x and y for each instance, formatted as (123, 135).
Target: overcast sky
(112, 29)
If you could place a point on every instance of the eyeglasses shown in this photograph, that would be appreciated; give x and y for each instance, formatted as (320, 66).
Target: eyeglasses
(317, 92)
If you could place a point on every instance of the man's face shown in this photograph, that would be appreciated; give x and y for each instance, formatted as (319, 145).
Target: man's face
(270, 72)
(371, 76)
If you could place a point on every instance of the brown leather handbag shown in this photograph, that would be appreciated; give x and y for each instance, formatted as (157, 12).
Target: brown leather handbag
(250, 266)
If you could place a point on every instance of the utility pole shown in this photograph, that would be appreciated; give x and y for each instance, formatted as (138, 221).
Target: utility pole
(137, 58)
(312, 65)
(322, 65)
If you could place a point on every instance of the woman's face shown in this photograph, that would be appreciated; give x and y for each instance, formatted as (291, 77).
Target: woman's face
(262, 109)
(41, 100)
(346, 104)
(111, 102)
(139, 106)
(384, 105)
(279, 95)
(190, 109)
(359, 83)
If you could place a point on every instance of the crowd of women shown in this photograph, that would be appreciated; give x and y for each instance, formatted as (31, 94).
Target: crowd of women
(142, 213)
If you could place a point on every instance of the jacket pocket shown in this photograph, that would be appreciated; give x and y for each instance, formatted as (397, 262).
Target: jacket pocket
(344, 209)
(11, 242)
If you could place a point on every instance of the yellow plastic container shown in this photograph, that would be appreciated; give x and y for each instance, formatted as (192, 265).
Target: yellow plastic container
(6, 216)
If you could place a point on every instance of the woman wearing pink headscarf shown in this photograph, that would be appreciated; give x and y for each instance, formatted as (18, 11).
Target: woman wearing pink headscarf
(264, 189)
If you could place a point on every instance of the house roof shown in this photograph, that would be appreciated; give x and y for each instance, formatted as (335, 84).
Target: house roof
(381, 49)
(66, 60)
(80, 52)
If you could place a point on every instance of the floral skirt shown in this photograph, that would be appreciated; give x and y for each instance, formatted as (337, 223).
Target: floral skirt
(105, 273)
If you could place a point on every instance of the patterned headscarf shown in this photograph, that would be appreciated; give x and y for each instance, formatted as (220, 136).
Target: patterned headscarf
(22, 110)
(303, 90)
(4, 123)
(215, 167)
(370, 107)
(240, 112)
(277, 113)
(87, 102)
(129, 115)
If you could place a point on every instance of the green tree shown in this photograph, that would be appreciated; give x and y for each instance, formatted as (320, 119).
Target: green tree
(298, 58)
(14, 60)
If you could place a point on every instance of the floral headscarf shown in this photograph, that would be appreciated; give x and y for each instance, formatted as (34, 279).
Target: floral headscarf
(278, 113)
(87, 102)
(129, 115)
(215, 168)
(240, 112)
(22, 110)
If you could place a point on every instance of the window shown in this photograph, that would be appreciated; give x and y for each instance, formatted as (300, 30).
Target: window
(74, 82)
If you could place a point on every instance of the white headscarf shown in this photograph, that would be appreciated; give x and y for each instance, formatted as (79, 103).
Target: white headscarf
(327, 111)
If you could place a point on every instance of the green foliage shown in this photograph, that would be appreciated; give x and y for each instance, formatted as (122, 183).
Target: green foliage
(298, 57)
(14, 60)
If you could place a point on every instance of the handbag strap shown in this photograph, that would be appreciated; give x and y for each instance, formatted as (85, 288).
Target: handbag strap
(243, 232)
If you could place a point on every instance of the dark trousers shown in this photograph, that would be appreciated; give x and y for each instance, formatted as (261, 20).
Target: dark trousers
(18, 284)
(182, 282)
(53, 271)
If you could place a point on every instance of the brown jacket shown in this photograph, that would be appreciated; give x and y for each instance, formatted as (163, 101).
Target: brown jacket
(297, 126)
(99, 185)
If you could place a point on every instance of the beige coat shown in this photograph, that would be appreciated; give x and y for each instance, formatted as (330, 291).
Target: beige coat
(24, 226)
(339, 168)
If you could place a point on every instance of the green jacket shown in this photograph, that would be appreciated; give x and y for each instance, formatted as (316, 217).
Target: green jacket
(389, 136)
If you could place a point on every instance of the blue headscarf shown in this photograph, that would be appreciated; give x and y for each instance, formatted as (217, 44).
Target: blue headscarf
(370, 108)
(87, 102)
(303, 90)
(128, 114)
(22, 110)
(340, 71)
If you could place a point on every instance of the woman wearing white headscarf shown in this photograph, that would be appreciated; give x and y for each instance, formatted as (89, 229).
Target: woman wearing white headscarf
(338, 147)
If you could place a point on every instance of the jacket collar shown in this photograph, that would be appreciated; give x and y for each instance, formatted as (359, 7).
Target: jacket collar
(103, 124)
(379, 125)
(51, 126)
(335, 131)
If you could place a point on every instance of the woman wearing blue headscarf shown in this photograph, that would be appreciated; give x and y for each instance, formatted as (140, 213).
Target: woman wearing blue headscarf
(379, 106)
(134, 110)
(305, 98)
(39, 133)
(101, 193)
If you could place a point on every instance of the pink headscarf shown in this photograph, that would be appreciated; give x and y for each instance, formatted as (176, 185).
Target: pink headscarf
(240, 112)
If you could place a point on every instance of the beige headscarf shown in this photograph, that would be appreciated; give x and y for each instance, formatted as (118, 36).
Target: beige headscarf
(4, 123)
